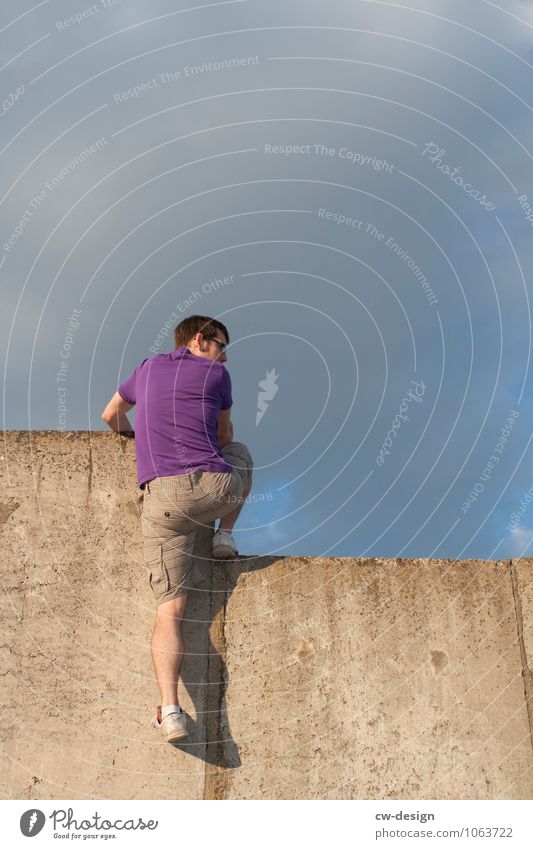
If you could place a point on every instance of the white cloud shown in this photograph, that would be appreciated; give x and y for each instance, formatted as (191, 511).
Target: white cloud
(521, 538)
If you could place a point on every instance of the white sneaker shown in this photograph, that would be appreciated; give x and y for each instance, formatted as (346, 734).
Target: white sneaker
(223, 546)
(173, 726)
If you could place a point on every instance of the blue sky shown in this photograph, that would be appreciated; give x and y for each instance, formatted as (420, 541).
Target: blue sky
(349, 188)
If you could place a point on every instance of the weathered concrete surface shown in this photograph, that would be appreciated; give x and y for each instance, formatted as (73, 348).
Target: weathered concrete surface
(305, 677)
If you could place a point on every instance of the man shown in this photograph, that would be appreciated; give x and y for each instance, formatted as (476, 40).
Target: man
(191, 472)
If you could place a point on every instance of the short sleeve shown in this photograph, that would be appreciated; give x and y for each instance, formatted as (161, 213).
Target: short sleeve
(127, 389)
(226, 399)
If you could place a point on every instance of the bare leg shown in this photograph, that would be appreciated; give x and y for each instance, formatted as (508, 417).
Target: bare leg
(227, 522)
(167, 647)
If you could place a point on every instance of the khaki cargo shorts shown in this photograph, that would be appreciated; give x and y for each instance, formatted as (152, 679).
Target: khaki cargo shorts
(177, 520)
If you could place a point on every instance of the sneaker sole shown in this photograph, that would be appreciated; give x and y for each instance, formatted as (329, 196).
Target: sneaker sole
(223, 552)
(176, 736)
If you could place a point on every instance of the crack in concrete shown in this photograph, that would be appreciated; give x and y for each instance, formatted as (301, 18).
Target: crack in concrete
(214, 776)
(527, 674)
(38, 487)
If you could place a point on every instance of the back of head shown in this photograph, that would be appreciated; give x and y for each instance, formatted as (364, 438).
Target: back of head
(189, 327)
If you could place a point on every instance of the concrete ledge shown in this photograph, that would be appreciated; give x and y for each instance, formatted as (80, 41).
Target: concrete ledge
(305, 677)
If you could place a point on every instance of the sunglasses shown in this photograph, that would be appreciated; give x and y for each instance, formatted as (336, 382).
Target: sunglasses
(220, 344)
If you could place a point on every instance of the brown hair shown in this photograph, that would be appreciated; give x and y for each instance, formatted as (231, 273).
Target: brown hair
(194, 324)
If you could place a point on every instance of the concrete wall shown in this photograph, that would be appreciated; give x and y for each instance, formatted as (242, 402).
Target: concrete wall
(305, 677)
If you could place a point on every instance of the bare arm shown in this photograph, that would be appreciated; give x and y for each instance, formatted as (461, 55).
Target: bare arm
(115, 414)
(225, 428)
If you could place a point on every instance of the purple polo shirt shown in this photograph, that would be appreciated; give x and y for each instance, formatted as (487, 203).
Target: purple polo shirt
(178, 397)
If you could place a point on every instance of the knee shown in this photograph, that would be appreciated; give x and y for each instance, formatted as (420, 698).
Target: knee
(172, 610)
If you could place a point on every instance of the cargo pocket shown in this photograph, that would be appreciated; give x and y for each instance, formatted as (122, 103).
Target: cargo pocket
(159, 577)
